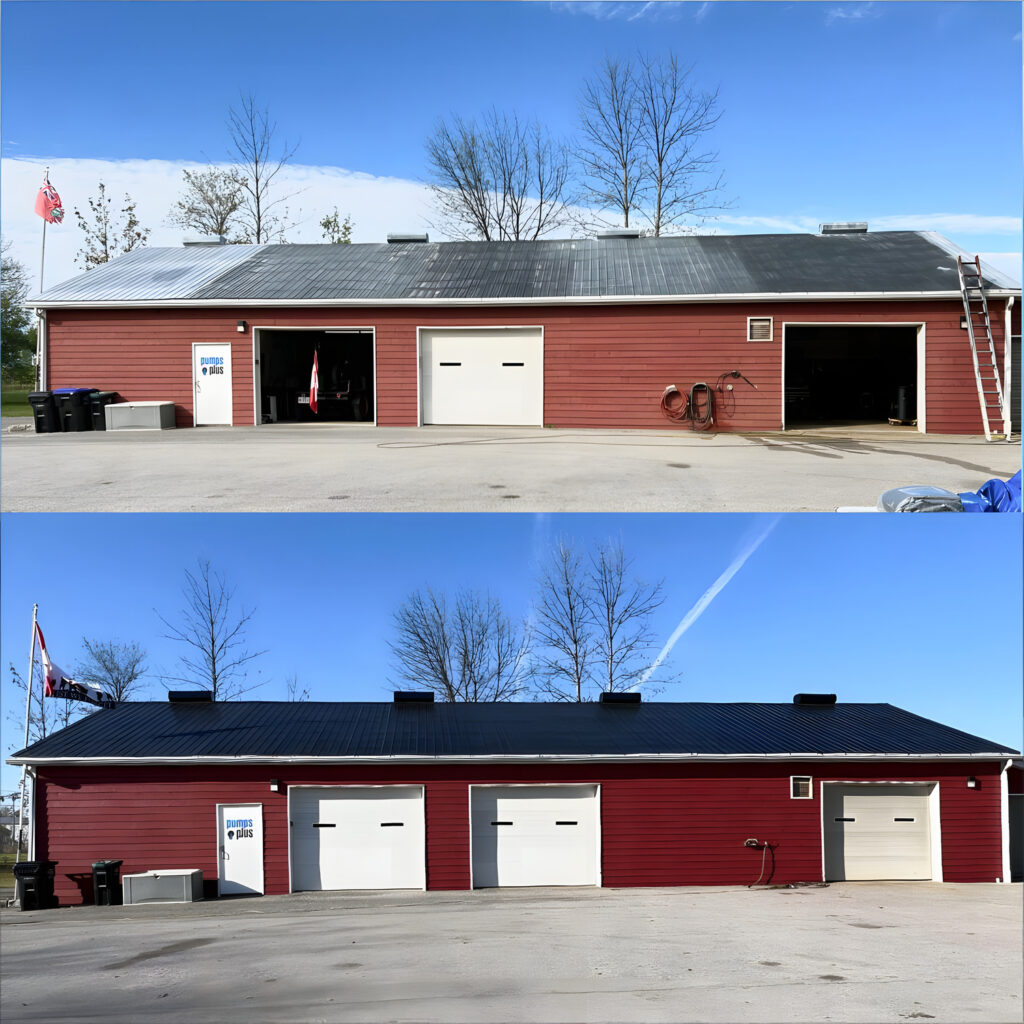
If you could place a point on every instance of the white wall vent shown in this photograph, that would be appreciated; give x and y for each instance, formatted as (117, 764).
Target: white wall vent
(759, 328)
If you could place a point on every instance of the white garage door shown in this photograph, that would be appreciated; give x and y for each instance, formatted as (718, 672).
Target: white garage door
(483, 376)
(877, 832)
(535, 835)
(350, 837)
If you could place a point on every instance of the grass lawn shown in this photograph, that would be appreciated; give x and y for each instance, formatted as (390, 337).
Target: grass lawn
(6, 875)
(15, 400)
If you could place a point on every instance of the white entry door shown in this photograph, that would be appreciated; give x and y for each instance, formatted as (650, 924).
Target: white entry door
(877, 832)
(535, 835)
(240, 848)
(211, 384)
(357, 837)
(489, 376)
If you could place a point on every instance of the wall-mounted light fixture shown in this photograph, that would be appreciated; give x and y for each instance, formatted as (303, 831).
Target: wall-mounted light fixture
(963, 323)
(275, 785)
(972, 783)
(242, 325)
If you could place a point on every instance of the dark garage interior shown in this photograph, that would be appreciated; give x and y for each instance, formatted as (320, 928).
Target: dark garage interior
(839, 374)
(345, 369)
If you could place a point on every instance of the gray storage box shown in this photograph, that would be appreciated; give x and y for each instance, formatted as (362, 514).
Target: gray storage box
(140, 416)
(174, 885)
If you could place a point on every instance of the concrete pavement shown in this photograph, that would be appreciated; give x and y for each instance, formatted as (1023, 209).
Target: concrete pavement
(849, 952)
(351, 467)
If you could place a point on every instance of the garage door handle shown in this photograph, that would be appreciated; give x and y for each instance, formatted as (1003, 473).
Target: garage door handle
(845, 819)
(450, 364)
(566, 822)
(513, 364)
(501, 822)
(904, 819)
(392, 824)
(318, 824)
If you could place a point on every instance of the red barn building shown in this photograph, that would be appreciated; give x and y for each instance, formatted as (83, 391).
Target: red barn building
(280, 797)
(845, 326)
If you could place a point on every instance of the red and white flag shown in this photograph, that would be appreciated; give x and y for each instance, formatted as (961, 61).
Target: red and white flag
(48, 204)
(57, 684)
(314, 385)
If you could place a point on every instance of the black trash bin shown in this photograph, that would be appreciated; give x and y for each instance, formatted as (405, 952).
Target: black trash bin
(98, 401)
(75, 409)
(34, 884)
(906, 403)
(106, 883)
(44, 412)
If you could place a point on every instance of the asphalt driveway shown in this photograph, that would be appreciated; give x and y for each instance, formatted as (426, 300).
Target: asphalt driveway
(350, 467)
(849, 952)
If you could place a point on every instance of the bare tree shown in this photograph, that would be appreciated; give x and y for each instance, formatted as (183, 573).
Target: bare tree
(563, 627)
(622, 609)
(675, 117)
(501, 179)
(469, 652)
(46, 715)
(612, 152)
(213, 633)
(113, 666)
(251, 135)
(210, 202)
(296, 694)
(108, 234)
(592, 623)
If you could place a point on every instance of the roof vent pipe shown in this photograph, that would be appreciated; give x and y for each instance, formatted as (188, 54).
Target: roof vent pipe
(400, 239)
(621, 233)
(190, 696)
(619, 698)
(414, 697)
(847, 227)
(821, 699)
(214, 240)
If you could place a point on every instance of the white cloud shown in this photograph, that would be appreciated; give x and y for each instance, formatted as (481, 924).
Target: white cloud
(377, 205)
(617, 9)
(851, 12)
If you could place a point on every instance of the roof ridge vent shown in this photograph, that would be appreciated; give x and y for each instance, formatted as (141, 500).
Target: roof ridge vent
(620, 233)
(414, 696)
(844, 227)
(620, 698)
(190, 696)
(401, 239)
(819, 699)
(209, 240)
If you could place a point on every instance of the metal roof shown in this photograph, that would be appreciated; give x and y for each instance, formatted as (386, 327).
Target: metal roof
(897, 263)
(289, 730)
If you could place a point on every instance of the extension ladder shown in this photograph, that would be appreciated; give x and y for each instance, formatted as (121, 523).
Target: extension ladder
(983, 349)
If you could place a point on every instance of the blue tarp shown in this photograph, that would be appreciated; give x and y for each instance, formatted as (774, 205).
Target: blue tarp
(994, 496)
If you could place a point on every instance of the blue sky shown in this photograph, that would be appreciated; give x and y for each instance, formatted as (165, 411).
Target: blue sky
(907, 115)
(919, 611)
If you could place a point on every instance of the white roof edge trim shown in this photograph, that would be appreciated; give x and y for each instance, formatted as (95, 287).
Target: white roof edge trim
(510, 759)
(557, 300)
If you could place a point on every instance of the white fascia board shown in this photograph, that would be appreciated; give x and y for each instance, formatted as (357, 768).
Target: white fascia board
(508, 759)
(559, 300)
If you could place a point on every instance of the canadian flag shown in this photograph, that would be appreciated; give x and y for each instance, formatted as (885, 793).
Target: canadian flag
(314, 385)
(57, 684)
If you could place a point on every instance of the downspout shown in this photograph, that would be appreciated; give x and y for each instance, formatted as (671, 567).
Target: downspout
(41, 350)
(1004, 813)
(1008, 396)
(32, 818)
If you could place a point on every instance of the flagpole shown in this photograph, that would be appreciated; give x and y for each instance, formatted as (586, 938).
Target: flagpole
(28, 709)
(42, 258)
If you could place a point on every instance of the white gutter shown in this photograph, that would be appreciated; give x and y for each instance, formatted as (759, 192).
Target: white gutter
(1008, 396)
(557, 300)
(245, 759)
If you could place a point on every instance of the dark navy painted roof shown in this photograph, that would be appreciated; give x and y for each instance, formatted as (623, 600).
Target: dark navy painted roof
(688, 267)
(394, 730)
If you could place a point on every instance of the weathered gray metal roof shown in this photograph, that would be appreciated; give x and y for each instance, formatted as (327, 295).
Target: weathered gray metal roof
(906, 263)
(297, 730)
(157, 274)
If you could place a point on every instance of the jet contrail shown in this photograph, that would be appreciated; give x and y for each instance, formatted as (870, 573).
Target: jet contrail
(706, 598)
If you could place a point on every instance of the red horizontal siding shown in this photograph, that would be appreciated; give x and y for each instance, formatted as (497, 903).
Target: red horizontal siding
(661, 824)
(605, 366)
